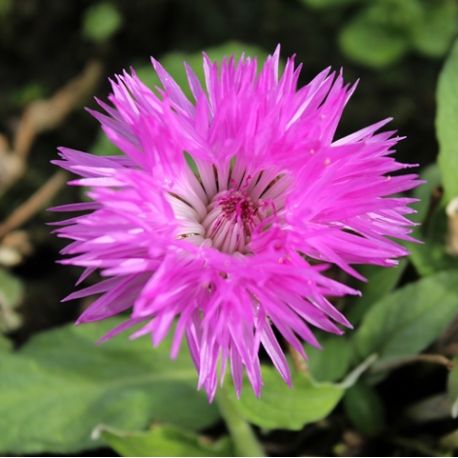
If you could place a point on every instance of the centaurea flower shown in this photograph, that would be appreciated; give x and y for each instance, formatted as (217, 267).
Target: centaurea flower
(223, 213)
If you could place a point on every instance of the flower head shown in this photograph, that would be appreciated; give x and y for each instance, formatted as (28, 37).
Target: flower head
(219, 220)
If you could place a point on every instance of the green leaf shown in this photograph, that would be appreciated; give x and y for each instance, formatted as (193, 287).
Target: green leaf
(57, 388)
(364, 408)
(11, 292)
(408, 320)
(449, 441)
(371, 42)
(432, 408)
(434, 32)
(162, 441)
(330, 363)
(101, 21)
(288, 408)
(432, 177)
(446, 124)
(11, 289)
(380, 281)
(430, 256)
(452, 387)
(5, 344)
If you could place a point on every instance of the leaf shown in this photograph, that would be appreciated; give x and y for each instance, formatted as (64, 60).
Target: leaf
(353, 377)
(57, 388)
(432, 408)
(452, 387)
(408, 320)
(432, 177)
(11, 289)
(430, 256)
(435, 31)
(364, 408)
(330, 363)
(11, 292)
(450, 441)
(162, 441)
(371, 42)
(380, 281)
(446, 122)
(282, 407)
(101, 21)
(5, 344)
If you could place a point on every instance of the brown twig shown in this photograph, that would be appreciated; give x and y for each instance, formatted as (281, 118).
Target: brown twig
(452, 235)
(428, 358)
(435, 200)
(44, 115)
(41, 116)
(34, 203)
(299, 362)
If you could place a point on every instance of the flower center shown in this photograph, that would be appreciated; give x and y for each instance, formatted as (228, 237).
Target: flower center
(232, 217)
(221, 206)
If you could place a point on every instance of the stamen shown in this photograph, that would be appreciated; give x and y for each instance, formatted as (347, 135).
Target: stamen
(234, 203)
(232, 217)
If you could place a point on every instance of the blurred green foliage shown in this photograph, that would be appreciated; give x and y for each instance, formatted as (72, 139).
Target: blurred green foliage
(11, 294)
(164, 441)
(431, 255)
(101, 21)
(446, 123)
(381, 32)
(61, 374)
(5, 6)
(286, 407)
(331, 362)
(405, 322)
(364, 408)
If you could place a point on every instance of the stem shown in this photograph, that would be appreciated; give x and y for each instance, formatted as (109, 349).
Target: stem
(428, 358)
(299, 362)
(245, 441)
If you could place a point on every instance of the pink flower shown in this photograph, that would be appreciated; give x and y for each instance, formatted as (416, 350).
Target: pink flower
(223, 213)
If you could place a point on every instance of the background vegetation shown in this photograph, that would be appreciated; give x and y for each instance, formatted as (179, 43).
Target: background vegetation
(387, 388)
